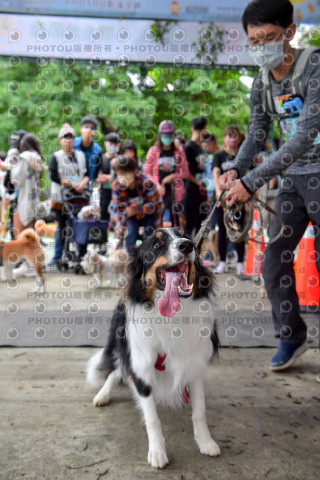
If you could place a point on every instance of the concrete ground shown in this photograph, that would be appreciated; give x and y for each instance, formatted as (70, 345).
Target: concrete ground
(267, 424)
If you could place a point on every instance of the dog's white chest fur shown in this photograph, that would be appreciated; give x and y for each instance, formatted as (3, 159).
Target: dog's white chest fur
(184, 339)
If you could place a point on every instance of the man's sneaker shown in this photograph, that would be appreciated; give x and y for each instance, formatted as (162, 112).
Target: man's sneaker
(24, 270)
(239, 269)
(20, 271)
(221, 268)
(287, 354)
(30, 271)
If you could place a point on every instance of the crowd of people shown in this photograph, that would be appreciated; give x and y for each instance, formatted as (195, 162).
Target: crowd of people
(175, 186)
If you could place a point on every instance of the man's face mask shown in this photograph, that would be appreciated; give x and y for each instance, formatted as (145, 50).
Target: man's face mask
(166, 140)
(270, 55)
(111, 148)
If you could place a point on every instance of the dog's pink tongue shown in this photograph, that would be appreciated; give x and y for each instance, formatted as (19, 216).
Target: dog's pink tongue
(169, 302)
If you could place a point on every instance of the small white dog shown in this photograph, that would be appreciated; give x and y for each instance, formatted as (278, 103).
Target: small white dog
(106, 270)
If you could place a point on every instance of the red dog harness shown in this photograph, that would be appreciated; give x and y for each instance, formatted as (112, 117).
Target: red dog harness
(159, 365)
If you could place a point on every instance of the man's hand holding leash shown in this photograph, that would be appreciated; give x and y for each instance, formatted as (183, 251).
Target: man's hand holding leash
(236, 193)
(235, 190)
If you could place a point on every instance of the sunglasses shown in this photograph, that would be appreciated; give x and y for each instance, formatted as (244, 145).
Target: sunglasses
(86, 127)
(68, 139)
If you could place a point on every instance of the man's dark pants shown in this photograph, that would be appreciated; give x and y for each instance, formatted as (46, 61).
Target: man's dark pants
(298, 203)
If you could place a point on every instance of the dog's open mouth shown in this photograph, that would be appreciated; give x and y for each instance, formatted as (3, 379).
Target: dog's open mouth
(174, 280)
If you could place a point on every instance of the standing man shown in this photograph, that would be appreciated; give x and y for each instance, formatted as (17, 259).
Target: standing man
(288, 89)
(68, 174)
(195, 195)
(106, 175)
(91, 149)
(210, 146)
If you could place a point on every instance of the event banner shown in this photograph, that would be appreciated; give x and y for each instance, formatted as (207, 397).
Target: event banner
(306, 11)
(123, 41)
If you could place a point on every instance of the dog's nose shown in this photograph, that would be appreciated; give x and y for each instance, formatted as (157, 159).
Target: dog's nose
(185, 247)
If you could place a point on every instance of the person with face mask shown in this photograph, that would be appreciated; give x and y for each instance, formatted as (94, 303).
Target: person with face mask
(91, 149)
(195, 199)
(106, 173)
(136, 202)
(223, 161)
(270, 28)
(167, 165)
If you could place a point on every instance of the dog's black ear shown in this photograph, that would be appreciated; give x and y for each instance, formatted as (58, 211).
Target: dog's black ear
(135, 265)
(204, 279)
(135, 272)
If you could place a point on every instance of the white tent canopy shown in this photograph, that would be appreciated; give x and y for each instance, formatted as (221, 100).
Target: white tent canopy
(120, 31)
(306, 11)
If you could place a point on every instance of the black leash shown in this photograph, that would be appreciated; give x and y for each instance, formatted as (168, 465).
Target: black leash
(206, 221)
(236, 232)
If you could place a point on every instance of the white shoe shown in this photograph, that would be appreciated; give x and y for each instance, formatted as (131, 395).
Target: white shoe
(30, 271)
(24, 270)
(239, 268)
(221, 268)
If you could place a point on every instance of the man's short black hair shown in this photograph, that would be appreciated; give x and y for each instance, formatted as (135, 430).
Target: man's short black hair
(198, 123)
(91, 120)
(276, 12)
(113, 137)
(208, 137)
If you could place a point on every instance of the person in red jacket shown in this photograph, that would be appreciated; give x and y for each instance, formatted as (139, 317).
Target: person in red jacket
(167, 165)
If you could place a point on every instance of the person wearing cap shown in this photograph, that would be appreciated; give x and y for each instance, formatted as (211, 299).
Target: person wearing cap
(195, 204)
(91, 149)
(106, 173)
(167, 165)
(68, 172)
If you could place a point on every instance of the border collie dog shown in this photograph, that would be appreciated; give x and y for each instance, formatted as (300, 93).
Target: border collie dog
(162, 337)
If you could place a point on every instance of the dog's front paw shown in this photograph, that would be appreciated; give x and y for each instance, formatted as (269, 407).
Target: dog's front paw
(158, 458)
(100, 400)
(209, 447)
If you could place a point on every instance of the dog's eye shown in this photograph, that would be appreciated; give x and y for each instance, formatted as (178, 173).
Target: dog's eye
(158, 245)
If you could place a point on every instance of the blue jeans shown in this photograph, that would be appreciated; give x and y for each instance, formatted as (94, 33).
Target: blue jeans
(297, 204)
(133, 224)
(58, 245)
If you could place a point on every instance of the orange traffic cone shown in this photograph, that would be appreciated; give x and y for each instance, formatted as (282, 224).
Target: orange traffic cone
(307, 277)
(254, 250)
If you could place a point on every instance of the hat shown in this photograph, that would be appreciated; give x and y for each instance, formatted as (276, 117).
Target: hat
(15, 138)
(66, 128)
(166, 128)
